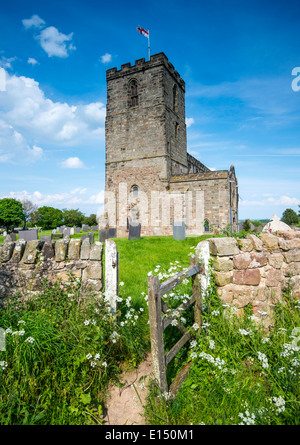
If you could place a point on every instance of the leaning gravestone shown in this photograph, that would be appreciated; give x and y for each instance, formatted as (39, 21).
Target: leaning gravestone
(134, 230)
(179, 230)
(28, 235)
(10, 237)
(112, 233)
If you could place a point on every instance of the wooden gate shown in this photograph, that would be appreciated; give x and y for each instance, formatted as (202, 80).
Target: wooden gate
(156, 306)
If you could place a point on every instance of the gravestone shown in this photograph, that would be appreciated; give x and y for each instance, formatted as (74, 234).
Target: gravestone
(94, 228)
(179, 230)
(61, 229)
(77, 229)
(112, 233)
(72, 230)
(56, 236)
(85, 227)
(46, 238)
(88, 235)
(103, 235)
(134, 230)
(28, 235)
(66, 231)
(54, 231)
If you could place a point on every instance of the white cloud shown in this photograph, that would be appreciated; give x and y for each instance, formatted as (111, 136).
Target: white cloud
(5, 62)
(271, 201)
(54, 43)
(28, 117)
(98, 198)
(79, 191)
(34, 22)
(32, 61)
(106, 58)
(189, 121)
(74, 162)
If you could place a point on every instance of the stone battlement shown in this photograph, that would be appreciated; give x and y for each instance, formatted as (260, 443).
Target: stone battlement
(142, 65)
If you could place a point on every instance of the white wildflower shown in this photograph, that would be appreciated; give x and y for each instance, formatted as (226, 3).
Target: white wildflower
(29, 339)
(195, 326)
(245, 332)
(104, 364)
(88, 356)
(86, 322)
(262, 357)
(122, 283)
(3, 365)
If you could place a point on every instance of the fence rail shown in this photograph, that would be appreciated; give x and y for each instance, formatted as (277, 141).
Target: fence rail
(156, 306)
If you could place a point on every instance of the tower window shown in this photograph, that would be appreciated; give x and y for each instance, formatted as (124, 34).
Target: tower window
(176, 129)
(135, 190)
(133, 92)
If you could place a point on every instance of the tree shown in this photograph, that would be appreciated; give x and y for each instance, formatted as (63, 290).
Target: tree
(48, 217)
(29, 209)
(11, 213)
(290, 217)
(73, 217)
(91, 220)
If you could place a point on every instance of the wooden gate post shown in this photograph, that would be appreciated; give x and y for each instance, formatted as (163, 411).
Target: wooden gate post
(156, 333)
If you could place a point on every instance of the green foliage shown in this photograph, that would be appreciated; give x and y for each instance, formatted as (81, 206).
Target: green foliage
(290, 217)
(48, 217)
(240, 373)
(11, 213)
(90, 220)
(247, 225)
(73, 217)
(61, 354)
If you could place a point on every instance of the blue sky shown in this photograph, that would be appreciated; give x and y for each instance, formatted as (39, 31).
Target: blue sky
(242, 100)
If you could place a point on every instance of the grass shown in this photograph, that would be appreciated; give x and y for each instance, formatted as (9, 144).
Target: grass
(239, 373)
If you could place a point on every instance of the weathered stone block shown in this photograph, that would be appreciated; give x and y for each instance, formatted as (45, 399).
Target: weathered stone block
(248, 277)
(92, 272)
(61, 249)
(292, 269)
(274, 277)
(18, 251)
(222, 264)
(48, 251)
(269, 241)
(246, 245)
(275, 260)
(258, 259)
(242, 260)
(257, 243)
(74, 249)
(223, 246)
(292, 256)
(96, 251)
(6, 251)
(222, 278)
(32, 250)
(85, 249)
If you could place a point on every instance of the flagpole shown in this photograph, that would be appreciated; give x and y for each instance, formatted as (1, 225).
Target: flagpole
(148, 44)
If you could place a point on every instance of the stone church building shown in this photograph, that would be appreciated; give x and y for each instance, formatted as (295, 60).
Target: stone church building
(150, 177)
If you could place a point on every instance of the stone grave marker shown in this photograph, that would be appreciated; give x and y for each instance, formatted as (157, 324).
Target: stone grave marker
(77, 229)
(45, 238)
(94, 228)
(103, 235)
(85, 227)
(179, 230)
(112, 233)
(28, 235)
(134, 230)
(10, 237)
(72, 231)
(66, 231)
(88, 235)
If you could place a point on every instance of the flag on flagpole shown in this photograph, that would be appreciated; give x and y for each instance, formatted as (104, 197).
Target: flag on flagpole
(146, 34)
(143, 32)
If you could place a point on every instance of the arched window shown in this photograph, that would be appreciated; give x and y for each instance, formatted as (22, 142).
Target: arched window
(206, 226)
(135, 190)
(133, 93)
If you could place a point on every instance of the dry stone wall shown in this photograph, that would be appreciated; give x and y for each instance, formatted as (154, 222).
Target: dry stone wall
(256, 270)
(24, 265)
